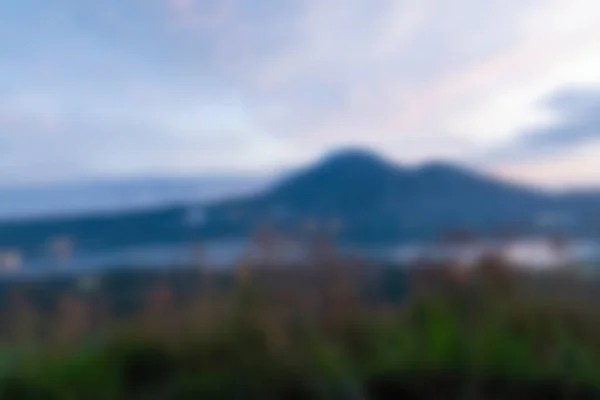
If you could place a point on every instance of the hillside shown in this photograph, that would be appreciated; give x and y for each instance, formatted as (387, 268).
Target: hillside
(117, 195)
(357, 194)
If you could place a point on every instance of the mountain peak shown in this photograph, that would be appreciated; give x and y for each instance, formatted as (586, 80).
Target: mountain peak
(443, 167)
(354, 157)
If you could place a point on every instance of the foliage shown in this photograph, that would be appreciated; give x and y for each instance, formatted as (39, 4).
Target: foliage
(268, 344)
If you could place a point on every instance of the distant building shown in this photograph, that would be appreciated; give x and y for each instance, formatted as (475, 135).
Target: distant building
(532, 254)
(460, 254)
(62, 248)
(10, 260)
(539, 254)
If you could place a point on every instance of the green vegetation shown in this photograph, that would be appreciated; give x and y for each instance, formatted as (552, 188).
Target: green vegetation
(276, 339)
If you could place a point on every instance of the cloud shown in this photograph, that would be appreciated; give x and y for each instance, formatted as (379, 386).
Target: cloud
(201, 14)
(173, 140)
(368, 72)
(187, 85)
(404, 75)
(562, 154)
(576, 122)
(580, 121)
(576, 168)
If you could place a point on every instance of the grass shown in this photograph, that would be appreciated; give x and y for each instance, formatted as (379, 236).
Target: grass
(321, 334)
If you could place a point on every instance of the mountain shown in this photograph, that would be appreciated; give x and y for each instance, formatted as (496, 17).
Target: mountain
(356, 193)
(376, 200)
(110, 196)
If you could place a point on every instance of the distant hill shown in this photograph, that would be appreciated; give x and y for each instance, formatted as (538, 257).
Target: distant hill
(69, 199)
(355, 194)
(372, 200)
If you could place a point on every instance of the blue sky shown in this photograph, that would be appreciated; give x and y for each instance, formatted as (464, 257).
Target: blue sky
(93, 89)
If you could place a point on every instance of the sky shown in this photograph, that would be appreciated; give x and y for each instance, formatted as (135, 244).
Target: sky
(94, 89)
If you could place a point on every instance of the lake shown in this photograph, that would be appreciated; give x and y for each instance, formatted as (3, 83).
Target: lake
(528, 253)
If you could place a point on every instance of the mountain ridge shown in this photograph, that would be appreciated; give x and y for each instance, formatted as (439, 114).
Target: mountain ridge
(106, 196)
(368, 198)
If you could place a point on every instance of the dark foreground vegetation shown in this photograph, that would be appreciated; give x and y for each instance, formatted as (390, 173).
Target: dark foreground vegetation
(335, 332)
